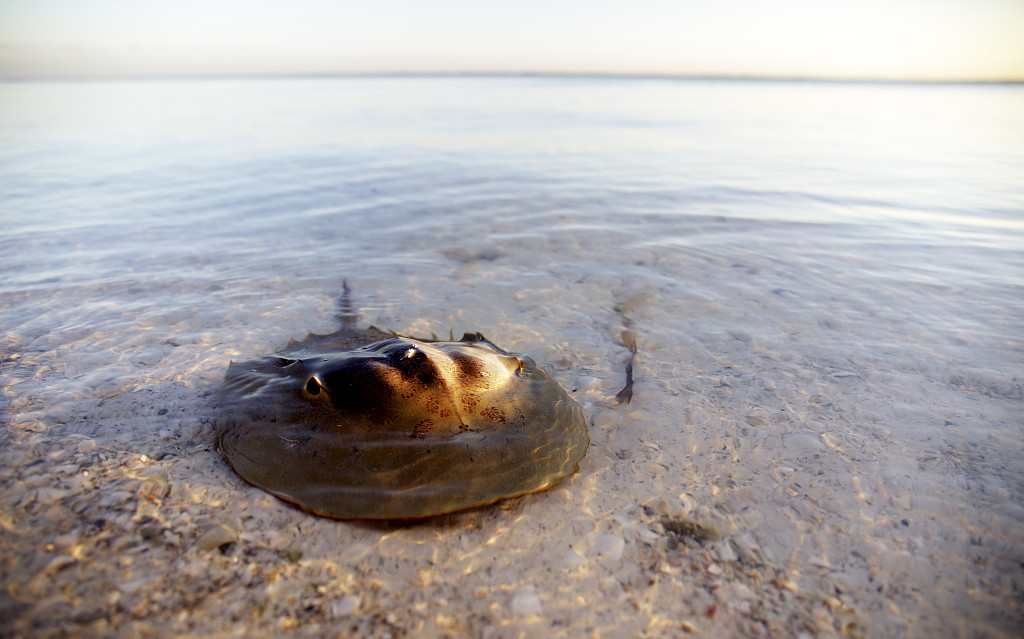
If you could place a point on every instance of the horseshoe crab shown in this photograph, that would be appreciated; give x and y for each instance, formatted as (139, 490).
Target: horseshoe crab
(363, 424)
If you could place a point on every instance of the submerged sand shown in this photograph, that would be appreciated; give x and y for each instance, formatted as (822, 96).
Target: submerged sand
(768, 482)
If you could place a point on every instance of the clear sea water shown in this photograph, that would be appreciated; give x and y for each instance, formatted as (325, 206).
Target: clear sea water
(826, 281)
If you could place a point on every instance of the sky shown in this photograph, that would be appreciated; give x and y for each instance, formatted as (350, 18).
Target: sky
(862, 39)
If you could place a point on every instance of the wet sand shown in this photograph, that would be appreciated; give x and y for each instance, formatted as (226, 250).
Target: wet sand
(766, 482)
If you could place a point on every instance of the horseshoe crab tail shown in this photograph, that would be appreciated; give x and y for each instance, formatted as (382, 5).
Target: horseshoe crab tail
(347, 315)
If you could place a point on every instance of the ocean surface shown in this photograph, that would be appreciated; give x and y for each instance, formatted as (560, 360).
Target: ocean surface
(826, 281)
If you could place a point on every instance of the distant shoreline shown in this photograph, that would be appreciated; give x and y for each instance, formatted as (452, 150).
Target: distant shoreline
(486, 75)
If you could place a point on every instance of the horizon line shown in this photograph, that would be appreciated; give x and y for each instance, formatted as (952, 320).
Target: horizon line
(736, 77)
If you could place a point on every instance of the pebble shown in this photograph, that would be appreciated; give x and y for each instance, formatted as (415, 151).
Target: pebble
(742, 592)
(607, 419)
(526, 603)
(346, 605)
(686, 503)
(661, 507)
(573, 558)
(216, 537)
(587, 384)
(609, 546)
(725, 552)
(86, 445)
(802, 444)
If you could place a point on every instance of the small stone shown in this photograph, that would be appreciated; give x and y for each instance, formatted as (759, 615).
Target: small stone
(526, 603)
(152, 532)
(217, 536)
(660, 506)
(574, 558)
(607, 419)
(57, 564)
(725, 552)
(802, 444)
(587, 384)
(86, 445)
(742, 592)
(155, 489)
(346, 605)
(609, 546)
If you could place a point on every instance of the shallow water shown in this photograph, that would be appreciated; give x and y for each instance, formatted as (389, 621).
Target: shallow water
(825, 280)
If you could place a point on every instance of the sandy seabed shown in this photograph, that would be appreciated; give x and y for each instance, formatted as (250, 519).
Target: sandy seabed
(732, 498)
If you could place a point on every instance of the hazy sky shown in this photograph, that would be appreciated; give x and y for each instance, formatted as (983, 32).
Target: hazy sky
(925, 39)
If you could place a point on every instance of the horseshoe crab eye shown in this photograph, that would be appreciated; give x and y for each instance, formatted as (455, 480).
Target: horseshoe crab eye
(409, 354)
(520, 365)
(313, 386)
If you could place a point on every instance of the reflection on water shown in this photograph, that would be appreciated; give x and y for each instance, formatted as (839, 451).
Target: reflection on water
(823, 280)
